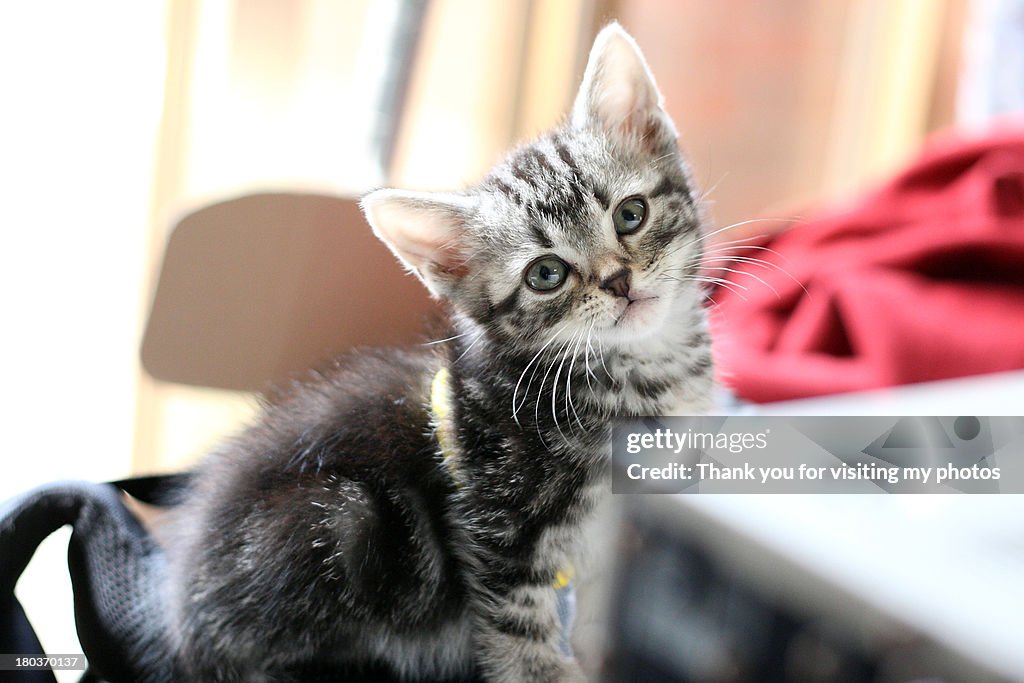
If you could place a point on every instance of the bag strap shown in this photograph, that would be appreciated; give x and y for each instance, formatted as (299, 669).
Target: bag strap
(114, 565)
(162, 490)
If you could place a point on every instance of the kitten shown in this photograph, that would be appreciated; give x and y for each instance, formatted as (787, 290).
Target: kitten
(410, 510)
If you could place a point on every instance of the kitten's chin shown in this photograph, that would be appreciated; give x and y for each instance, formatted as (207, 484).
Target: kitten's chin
(637, 320)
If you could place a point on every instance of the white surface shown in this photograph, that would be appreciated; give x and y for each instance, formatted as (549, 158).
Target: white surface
(948, 565)
(996, 394)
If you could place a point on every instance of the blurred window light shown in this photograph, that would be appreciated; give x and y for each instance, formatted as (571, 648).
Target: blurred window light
(117, 114)
(993, 72)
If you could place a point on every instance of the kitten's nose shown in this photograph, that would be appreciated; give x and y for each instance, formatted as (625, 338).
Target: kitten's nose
(617, 283)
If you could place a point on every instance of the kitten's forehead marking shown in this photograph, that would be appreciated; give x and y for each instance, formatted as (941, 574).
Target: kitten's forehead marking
(547, 181)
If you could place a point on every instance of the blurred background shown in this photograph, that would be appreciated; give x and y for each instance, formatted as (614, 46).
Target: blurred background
(120, 117)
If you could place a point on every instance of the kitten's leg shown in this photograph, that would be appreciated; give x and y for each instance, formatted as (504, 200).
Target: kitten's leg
(520, 637)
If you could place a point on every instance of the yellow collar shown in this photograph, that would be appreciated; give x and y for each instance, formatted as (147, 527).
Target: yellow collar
(440, 409)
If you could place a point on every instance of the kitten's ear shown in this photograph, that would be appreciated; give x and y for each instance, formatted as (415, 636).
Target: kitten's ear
(425, 230)
(618, 94)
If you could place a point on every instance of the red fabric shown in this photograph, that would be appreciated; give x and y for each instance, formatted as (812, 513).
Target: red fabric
(920, 280)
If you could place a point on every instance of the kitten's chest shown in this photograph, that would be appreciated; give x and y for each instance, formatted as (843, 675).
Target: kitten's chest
(668, 377)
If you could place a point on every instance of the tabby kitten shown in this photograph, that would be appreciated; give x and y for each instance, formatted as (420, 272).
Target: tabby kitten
(409, 511)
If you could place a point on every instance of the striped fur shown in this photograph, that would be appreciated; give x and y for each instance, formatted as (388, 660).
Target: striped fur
(334, 535)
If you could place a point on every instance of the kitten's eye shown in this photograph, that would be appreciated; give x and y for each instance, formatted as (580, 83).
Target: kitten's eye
(629, 215)
(546, 274)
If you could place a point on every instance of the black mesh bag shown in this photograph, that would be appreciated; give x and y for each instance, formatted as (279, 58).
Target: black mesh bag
(115, 569)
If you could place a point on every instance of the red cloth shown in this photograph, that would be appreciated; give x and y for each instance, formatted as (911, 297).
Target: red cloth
(920, 280)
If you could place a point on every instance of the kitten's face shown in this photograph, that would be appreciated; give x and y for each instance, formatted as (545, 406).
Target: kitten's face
(587, 234)
(577, 235)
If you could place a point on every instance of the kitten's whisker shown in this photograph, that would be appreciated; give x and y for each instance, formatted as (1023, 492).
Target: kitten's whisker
(600, 357)
(554, 390)
(570, 355)
(724, 250)
(586, 357)
(715, 280)
(696, 242)
(568, 381)
(735, 245)
(722, 283)
(710, 298)
(564, 353)
(515, 392)
(748, 274)
(710, 279)
(447, 339)
(759, 247)
(692, 242)
(764, 264)
(516, 406)
(762, 219)
(734, 260)
(470, 347)
(704, 237)
(707, 193)
(740, 243)
(700, 238)
(744, 259)
(753, 260)
(728, 254)
(529, 383)
(657, 159)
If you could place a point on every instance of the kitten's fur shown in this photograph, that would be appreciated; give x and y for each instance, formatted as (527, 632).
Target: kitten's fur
(333, 530)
